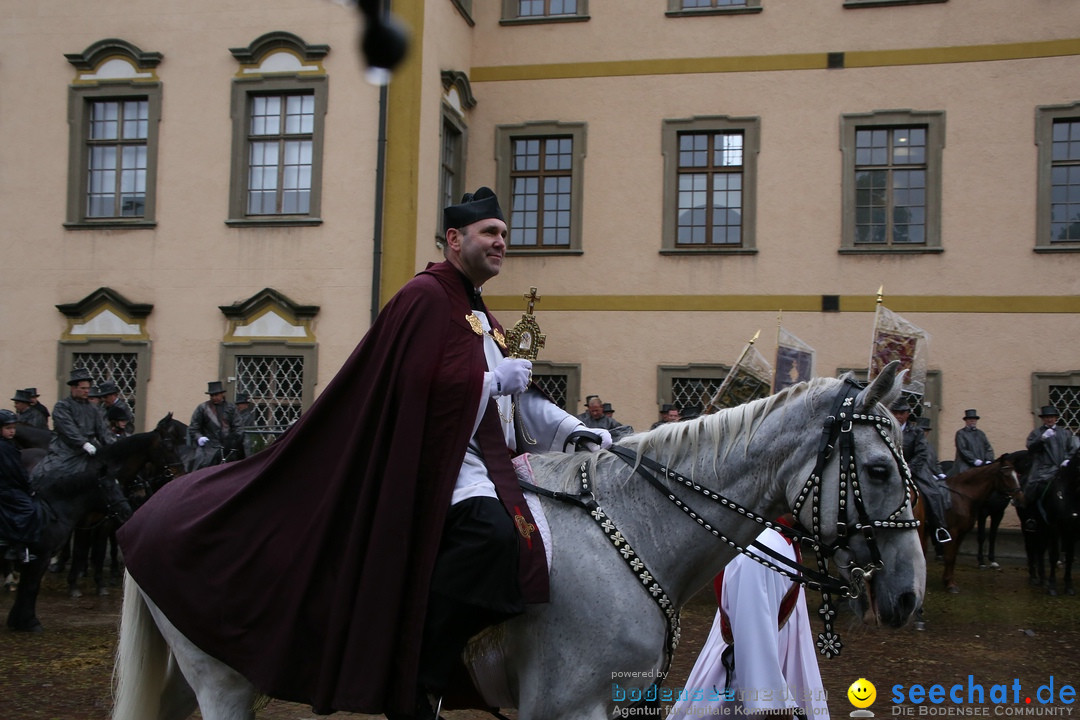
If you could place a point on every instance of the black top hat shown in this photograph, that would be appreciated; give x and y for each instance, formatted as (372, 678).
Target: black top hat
(78, 375)
(971, 414)
(900, 404)
(108, 388)
(473, 207)
(608, 408)
(95, 391)
(242, 397)
(115, 412)
(22, 396)
(214, 387)
(924, 423)
(32, 392)
(668, 407)
(1049, 411)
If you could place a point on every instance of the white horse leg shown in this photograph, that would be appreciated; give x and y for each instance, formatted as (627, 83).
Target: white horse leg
(177, 698)
(141, 660)
(221, 692)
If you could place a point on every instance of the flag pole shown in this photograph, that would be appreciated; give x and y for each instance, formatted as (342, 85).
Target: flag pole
(873, 332)
(711, 407)
(776, 358)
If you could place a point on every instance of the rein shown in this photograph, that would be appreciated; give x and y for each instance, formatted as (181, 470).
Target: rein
(836, 436)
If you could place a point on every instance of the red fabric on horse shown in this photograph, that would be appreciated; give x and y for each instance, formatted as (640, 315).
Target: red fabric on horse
(306, 567)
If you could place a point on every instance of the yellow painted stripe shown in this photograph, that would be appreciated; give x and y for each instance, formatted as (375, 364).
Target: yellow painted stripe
(765, 63)
(788, 303)
(401, 204)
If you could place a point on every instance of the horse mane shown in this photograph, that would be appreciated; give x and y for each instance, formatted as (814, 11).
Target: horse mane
(131, 443)
(730, 428)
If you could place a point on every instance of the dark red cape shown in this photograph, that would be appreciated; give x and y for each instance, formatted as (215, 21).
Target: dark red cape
(306, 567)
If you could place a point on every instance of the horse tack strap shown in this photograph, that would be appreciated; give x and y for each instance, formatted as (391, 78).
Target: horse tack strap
(585, 499)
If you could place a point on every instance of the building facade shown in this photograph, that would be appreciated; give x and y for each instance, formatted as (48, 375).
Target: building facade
(201, 190)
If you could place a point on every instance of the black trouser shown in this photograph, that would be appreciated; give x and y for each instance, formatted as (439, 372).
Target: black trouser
(474, 585)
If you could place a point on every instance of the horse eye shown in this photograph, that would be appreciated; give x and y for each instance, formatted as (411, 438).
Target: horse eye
(878, 472)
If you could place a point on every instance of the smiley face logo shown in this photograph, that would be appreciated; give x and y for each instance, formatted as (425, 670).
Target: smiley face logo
(862, 693)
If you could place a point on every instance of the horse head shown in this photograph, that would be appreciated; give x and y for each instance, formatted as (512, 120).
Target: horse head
(112, 500)
(868, 492)
(1007, 479)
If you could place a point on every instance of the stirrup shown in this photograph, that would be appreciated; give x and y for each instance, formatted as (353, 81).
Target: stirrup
(942, 535)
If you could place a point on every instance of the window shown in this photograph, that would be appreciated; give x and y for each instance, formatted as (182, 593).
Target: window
(892, 181)
(540, 168)
(269, 351)
(692, 388)
(561, 383)
(524, 11)
(1057, 134)
(685, 8)
(1062, 390)
(279, 104)
(107, 335)
(115, 110)
(451, 166)
(710, 184)
(457, 99)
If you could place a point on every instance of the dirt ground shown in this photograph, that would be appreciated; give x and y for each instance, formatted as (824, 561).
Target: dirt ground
(999, 630)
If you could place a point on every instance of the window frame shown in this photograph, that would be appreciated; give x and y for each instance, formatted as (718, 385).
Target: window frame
(450, 119)
(505, 135)
(510, 14)
(1041, 382)
(672, 129)
(572, 373)
(849, 4)
(69, 348)
(143, 84)
(243, 90)
(934, 122)
(675, 9)
(1045, 116)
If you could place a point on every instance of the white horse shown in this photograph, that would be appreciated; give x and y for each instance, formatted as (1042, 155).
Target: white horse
(825, 450)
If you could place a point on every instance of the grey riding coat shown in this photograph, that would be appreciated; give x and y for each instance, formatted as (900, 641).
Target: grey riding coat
(75, 423)
(971, 445)
(1047, 454)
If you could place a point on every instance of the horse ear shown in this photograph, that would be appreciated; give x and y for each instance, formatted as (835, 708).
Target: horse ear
(884, 389)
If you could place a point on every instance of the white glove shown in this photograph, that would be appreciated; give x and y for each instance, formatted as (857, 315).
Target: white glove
(511, 377)
(941, 476)
(203, 440)
(605, 440)
(1048, 433)
(978, 463)
(88, 448)
(1066, 463)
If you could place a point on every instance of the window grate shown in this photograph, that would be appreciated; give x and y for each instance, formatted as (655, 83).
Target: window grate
(275, 384)
(1066, 398)
(554, 386)
(121, 368)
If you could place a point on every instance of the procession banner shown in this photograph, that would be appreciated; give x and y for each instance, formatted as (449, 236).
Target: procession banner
(898, 339)
(748, 379)
(794, 361)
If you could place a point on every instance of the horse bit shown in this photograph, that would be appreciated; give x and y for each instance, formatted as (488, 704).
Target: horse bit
(836, 435)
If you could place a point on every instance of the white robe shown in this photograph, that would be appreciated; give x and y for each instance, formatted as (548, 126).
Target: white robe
(773, 670)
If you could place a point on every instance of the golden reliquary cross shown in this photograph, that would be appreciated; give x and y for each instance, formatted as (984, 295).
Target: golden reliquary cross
(524, 340)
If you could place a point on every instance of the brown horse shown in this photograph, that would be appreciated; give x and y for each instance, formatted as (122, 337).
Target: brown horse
(969, 490)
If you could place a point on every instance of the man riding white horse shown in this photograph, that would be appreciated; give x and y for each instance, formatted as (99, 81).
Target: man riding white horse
(394, 495)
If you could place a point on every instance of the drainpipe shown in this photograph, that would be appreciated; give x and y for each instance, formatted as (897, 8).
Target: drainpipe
(380, 191)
